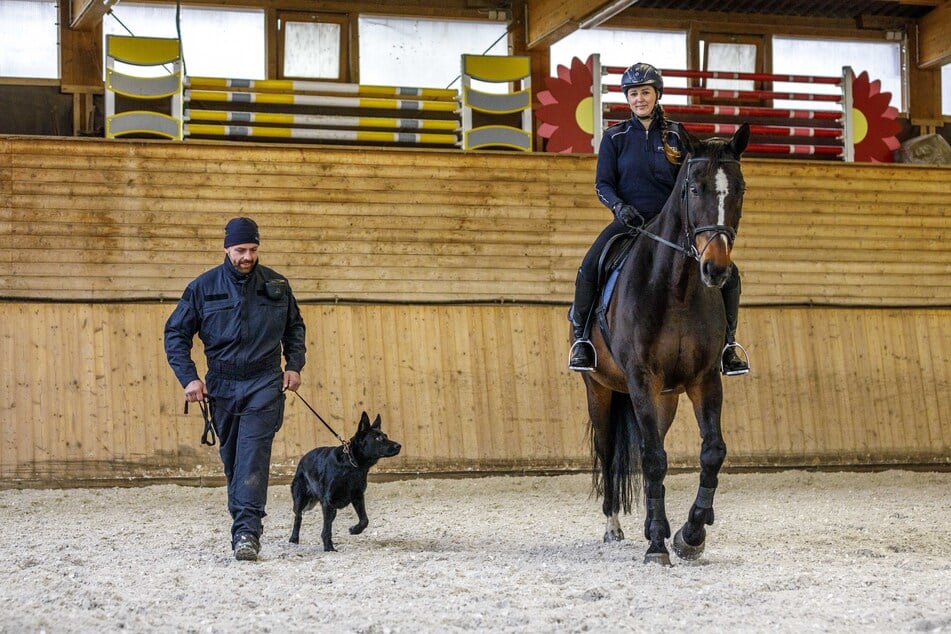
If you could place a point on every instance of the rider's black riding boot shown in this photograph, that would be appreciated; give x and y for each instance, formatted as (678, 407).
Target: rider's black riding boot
(582, 357)
(731, 363)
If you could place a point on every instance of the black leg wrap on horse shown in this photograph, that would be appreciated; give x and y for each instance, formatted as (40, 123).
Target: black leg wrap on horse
(656, 517)
(705, 497)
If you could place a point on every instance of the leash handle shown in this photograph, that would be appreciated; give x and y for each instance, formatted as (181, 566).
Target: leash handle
(208, 436)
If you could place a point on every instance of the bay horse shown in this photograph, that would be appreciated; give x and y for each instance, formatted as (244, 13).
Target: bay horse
(662, 335)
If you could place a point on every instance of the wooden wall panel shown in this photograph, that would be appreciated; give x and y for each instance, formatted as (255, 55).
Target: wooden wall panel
(87, 393)
(436, 286)
(136, 220)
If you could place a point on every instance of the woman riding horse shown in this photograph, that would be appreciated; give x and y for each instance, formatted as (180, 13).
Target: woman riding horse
(660, 336)
(638, 162)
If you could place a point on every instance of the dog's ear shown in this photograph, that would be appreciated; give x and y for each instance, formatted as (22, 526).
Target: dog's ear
(364, 422)
(377, 422)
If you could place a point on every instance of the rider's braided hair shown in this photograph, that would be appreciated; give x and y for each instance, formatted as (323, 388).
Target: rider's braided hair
(672, 153)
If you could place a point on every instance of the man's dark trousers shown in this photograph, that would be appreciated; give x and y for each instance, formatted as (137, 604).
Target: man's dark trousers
(248, 412)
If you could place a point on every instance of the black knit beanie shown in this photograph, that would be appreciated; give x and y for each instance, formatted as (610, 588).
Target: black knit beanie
(241, 231)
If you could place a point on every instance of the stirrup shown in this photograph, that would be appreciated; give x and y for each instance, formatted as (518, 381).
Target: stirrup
(594, 353)
(745, 358)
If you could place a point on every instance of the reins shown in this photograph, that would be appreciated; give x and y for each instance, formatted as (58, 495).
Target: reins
(690, 250)
(690, 253)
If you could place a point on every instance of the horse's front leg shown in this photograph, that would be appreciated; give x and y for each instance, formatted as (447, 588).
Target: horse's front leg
(653, 426)
(690, 540)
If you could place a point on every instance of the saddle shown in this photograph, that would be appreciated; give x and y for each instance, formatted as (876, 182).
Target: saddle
(612, 258)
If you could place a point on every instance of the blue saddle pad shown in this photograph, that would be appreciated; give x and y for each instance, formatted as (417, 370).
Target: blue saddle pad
(607, 291)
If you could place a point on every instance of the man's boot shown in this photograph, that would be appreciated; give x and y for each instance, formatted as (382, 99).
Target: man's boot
(246, 547)
(582, 357)
(730, 363)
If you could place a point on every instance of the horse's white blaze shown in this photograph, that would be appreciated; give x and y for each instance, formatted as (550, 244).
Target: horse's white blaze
(723, 189)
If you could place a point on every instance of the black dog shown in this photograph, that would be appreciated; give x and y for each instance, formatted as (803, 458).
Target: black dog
(337, 476)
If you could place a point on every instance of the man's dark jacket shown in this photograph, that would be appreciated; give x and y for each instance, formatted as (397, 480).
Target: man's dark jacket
(243, 320)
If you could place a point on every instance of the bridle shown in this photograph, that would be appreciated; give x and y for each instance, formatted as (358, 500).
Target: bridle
(691, 232)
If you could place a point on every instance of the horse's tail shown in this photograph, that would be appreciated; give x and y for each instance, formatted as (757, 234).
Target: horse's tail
(621, 477)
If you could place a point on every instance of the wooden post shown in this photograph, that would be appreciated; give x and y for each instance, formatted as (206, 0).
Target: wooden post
(80, 68)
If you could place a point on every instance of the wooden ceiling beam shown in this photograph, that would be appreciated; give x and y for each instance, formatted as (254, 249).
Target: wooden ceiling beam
(547, 21)
(86, 15)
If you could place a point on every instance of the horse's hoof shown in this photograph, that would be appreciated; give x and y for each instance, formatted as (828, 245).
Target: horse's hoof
(613, 536)
(685, 550)
(658, 558)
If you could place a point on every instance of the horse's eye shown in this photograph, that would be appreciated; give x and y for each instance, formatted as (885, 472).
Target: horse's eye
(694, 189)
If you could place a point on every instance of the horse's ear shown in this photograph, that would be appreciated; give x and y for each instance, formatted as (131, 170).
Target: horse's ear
(364, 422)
(740, 138)
(377, 422)
(688, 142)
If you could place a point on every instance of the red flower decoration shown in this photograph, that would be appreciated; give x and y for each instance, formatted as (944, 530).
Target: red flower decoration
(874, 124)
(566, 111)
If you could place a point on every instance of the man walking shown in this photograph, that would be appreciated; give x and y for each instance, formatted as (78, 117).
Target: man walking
(247, 318)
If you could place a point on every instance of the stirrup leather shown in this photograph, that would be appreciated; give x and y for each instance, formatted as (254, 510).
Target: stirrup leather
(745, 358)
(594, 353)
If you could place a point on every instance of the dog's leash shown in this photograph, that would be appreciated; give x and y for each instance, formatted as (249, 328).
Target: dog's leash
(345, 443)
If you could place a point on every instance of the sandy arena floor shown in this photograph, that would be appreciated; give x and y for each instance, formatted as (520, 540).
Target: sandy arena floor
(792, 551)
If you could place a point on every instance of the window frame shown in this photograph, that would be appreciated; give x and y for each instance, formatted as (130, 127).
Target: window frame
(705, 39)
(340, 19)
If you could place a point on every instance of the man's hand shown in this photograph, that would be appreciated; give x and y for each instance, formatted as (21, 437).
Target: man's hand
(195, 391)
(291, 380)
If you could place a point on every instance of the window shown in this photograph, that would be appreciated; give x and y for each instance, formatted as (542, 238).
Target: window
(737, 57)
(215, 42)
(29, 42)
(623, 47)
(793, 56)
(313, 46)
(421, 52)
(730, 53)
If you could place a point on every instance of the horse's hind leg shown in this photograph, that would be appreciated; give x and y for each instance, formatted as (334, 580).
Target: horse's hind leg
(603, 446)
(690, 540)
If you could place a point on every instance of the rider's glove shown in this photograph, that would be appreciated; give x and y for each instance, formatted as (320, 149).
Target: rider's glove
(628, 215)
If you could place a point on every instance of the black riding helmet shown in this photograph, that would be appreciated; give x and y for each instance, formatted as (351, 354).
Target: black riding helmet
(642, 74)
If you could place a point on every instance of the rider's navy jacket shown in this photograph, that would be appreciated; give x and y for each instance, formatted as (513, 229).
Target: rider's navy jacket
(243, 322)
(633, 169)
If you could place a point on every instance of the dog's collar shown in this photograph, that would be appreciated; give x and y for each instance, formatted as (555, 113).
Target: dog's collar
(349, 454)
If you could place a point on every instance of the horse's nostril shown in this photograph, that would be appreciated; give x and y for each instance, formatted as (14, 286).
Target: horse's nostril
(713, 274)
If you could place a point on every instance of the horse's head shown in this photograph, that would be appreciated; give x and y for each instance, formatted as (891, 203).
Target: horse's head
(712, 199)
